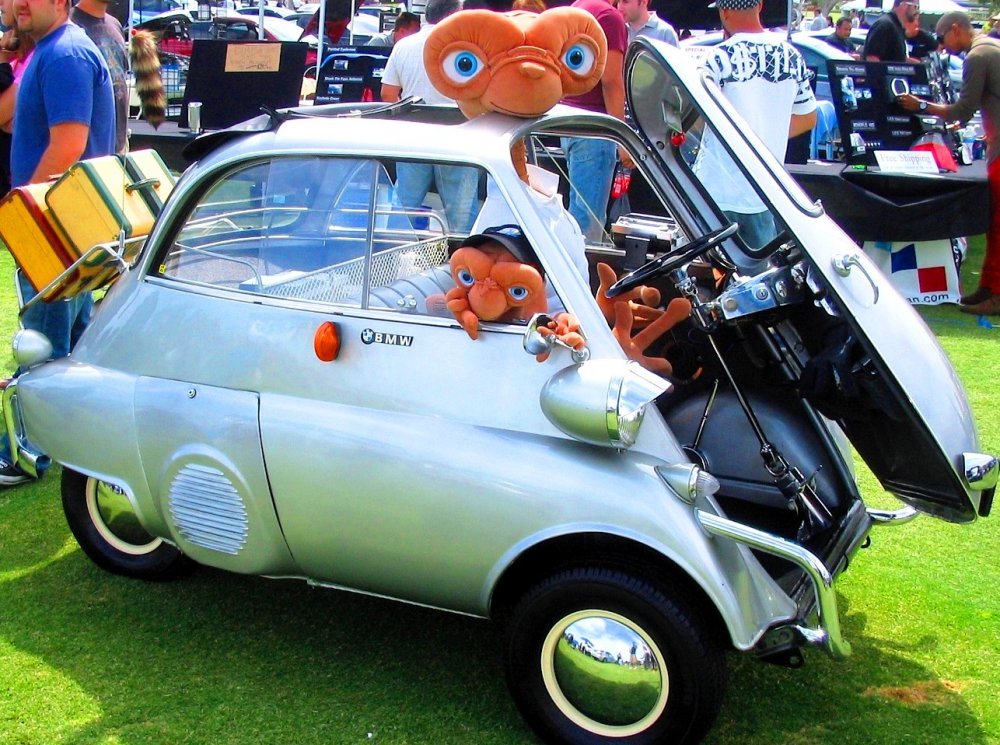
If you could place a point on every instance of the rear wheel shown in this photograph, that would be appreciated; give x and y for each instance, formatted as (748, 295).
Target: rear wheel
(598, 656)
(104, 523)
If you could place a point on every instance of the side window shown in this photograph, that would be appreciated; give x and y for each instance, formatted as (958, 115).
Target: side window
(357, 233)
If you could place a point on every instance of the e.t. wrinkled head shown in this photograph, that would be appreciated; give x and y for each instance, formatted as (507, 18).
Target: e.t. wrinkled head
(497, 284)
(515, 63)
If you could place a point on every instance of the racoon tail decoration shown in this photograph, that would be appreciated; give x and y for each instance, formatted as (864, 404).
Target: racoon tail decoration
(148, 83)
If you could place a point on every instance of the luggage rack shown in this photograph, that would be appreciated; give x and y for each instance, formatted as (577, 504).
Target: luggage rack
(345, 282)
(97, 267)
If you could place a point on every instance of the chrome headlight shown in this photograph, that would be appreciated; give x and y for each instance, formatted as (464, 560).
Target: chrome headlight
(601, 401)
(30, 348)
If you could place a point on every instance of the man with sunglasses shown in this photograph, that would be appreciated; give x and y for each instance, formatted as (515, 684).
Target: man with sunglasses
(980, 90)
(886, 41)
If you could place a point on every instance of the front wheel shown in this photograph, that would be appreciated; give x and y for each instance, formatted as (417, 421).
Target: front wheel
(598, 656)
(105, 525)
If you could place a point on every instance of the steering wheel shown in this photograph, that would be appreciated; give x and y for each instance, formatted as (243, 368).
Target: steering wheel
(668, 262)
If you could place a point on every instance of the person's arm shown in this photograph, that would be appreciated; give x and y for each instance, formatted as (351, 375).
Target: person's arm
(67, 142)
(973, 85)
(392, 82)
(9, 95)
(613, 85)
(875, 44)
(613, 91)
(804, 107)
(391, 93)
(800, 123)
(8, 100)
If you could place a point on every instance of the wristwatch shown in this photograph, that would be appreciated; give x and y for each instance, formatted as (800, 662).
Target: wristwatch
(922, 106)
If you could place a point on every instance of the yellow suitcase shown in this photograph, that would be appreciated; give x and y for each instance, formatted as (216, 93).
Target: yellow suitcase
(98, 198)
(38, 244)
(147, 166)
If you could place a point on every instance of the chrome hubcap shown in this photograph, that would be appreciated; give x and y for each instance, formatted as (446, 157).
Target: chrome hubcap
(605, 673)
(112, 514)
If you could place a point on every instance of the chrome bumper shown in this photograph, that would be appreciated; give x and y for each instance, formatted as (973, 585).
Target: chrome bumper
(26, 456)
(826, 634)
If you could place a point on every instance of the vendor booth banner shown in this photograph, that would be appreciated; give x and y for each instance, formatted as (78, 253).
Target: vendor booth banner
(926, 273)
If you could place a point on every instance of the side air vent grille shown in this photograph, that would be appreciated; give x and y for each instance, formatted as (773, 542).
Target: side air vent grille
(208, 510)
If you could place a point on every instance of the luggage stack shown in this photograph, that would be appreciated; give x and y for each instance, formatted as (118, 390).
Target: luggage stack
(50, 227)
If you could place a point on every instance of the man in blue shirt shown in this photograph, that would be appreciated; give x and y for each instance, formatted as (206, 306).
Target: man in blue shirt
(65, 112)
(65, 104)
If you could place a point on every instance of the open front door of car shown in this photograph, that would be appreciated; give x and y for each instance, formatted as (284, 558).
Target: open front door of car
(912, 425)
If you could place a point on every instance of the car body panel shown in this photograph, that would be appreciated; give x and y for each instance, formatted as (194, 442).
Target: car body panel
(416, 462)
(325, 478)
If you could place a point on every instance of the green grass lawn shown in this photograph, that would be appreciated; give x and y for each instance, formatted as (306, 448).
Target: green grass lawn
(87, 657)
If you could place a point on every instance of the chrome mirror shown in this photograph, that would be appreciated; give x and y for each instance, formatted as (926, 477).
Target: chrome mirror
(535, 342)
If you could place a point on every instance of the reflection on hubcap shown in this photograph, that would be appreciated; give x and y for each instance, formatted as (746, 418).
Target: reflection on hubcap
(112, 514)
(605, 673)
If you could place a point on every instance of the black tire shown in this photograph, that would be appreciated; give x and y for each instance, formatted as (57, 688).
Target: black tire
(101, 520)
(566, 698)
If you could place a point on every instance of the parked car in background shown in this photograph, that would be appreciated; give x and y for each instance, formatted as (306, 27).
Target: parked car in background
(177, 31)
(146, 9)
(277, 388)
(271, 11)
(365, 24)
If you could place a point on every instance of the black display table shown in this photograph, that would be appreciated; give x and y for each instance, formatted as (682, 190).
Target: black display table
(168, 140)
(869, 205)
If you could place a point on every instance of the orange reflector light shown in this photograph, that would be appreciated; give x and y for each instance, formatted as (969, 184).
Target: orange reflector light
(326, 343)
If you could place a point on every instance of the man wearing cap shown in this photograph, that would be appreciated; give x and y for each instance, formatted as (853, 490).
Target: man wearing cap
(886, 40)
(497, 278)
(980, 90)
(766, 80)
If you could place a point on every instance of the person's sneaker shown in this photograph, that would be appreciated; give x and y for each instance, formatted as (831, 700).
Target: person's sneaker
(976, 297)
(11, 475)
(988, 307)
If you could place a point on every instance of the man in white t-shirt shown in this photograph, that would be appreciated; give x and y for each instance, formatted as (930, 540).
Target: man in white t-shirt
(405, 76)
(767, 82)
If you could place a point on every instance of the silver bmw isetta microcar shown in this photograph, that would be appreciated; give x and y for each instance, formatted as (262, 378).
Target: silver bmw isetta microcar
(269, 391)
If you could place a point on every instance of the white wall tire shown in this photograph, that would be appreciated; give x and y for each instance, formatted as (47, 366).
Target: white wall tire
(105, 525)
(599, 656)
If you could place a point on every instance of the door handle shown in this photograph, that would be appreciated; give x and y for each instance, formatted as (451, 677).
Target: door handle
(842, 264)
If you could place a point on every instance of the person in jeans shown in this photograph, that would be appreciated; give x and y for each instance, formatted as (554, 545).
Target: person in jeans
(591, 162)
(65, 112)
(776, 100)
(980, 90)
(405, 76)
